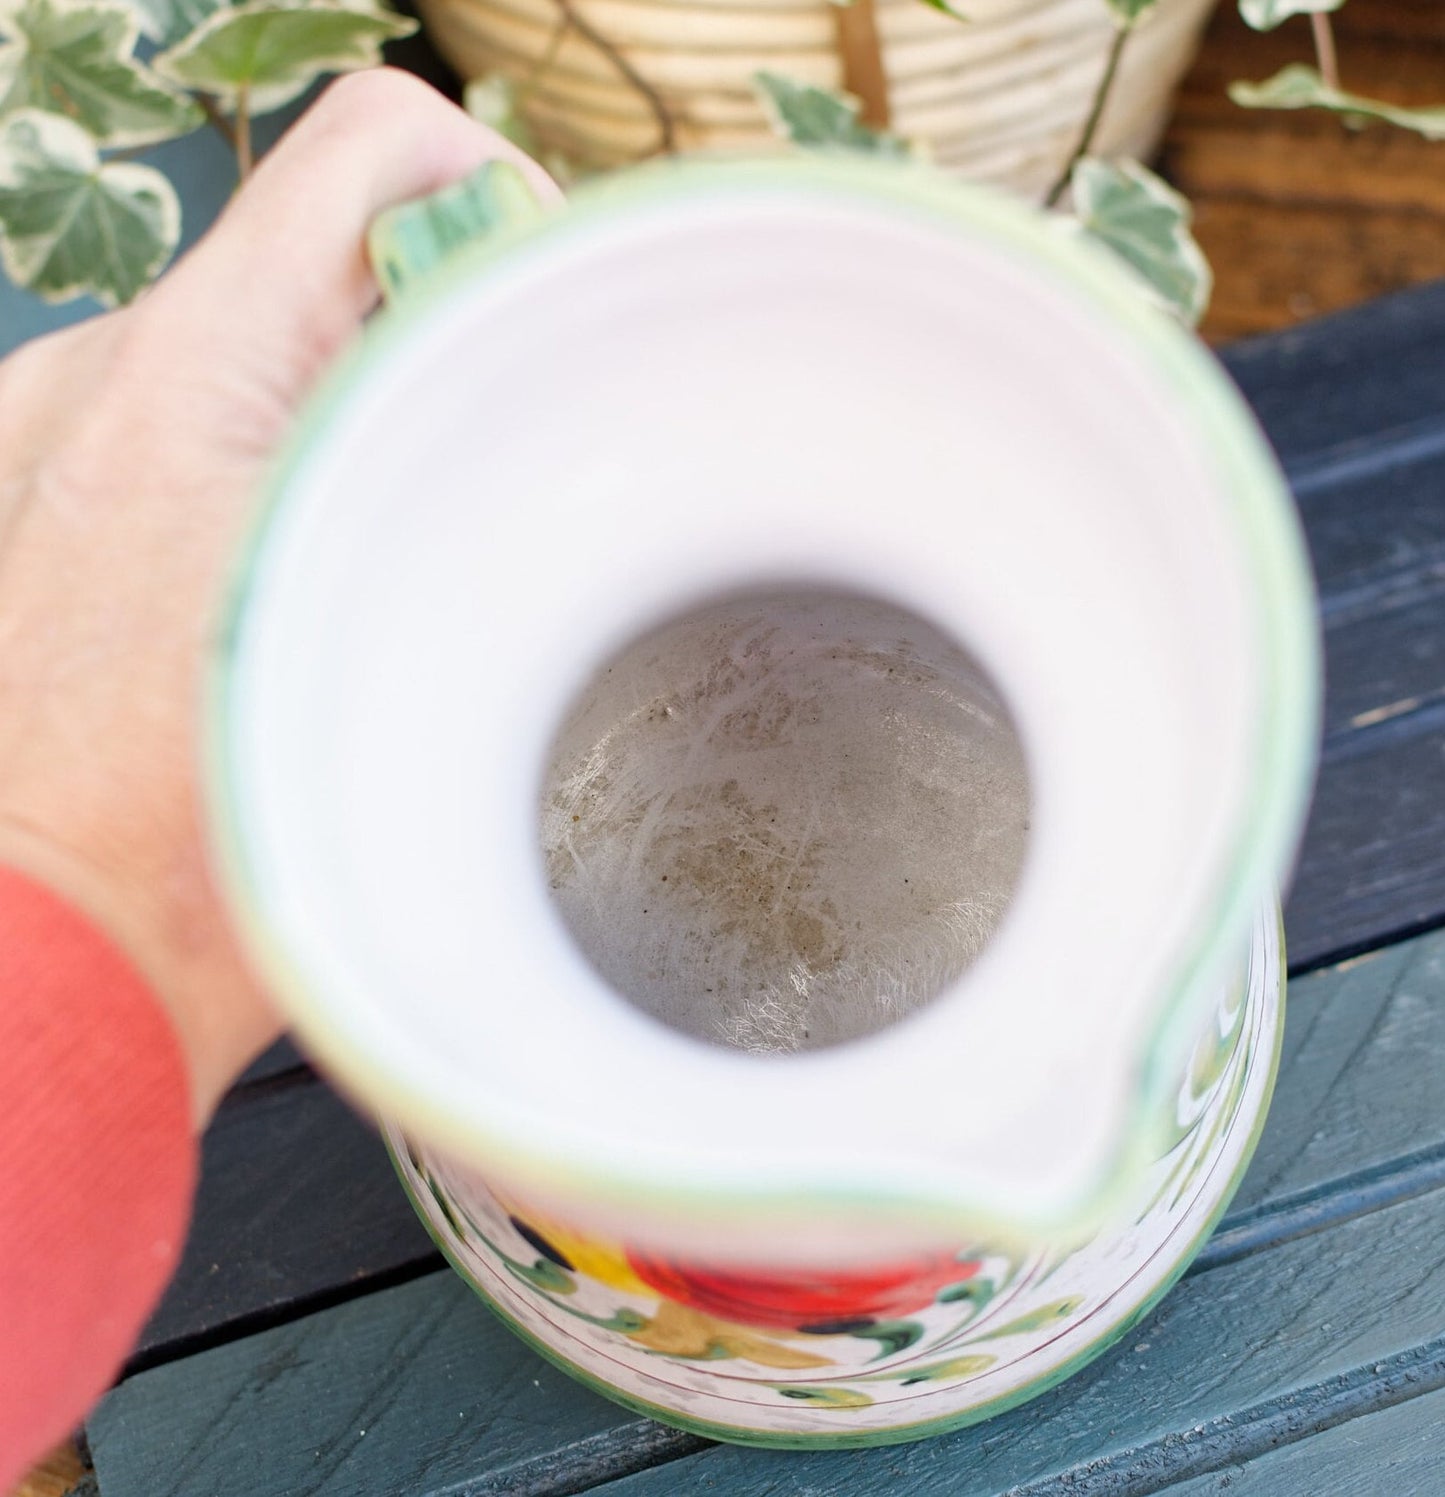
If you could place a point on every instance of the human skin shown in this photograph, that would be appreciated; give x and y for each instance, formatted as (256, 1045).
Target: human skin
(132, 449)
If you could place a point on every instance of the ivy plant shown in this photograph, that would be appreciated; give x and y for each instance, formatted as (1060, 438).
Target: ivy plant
(86, 84)
(1121, 204)
(1300, 86)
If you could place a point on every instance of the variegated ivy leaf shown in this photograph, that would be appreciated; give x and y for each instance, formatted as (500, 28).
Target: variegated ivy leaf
(75, 60)
(273, 50)
(1145, 223)
(820, 119)
(70, 224)
(1127, 12)
(1301, 87)
(167, 21)
(1265, 15)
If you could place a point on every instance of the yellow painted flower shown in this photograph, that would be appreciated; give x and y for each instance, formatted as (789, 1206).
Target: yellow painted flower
(593, 1257)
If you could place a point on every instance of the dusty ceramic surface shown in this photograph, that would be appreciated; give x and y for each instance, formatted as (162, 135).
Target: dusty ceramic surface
(885, 1351)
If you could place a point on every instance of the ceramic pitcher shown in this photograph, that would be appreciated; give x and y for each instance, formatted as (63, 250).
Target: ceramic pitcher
(760, 729)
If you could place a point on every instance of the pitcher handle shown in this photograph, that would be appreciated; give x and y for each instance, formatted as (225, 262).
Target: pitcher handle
(408, 243)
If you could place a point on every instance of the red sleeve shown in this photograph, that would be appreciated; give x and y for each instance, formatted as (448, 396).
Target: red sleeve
(97, 1166)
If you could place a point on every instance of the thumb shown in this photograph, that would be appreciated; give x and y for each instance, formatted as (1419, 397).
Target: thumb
(282, 282)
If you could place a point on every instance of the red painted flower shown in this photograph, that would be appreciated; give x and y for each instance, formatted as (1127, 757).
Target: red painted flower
(805, 1299)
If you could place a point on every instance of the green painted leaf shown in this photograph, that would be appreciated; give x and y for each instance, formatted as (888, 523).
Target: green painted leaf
(1301, 87)
(167, 21)
(544, 1275)
(1265, 15)
(1035, 1320)
(273, 50)
(826, 1398)
(892, 1336)
(952, 12)
(820, 119)
(932, 1372)
(1127, 12)
(975, 1292)
(1146, 224)
(69, 224)
(75, 60)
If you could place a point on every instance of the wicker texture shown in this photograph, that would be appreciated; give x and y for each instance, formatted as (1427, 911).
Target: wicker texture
(1000, 97)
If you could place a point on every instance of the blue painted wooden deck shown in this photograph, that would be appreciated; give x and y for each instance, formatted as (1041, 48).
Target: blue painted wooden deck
(313, 1343)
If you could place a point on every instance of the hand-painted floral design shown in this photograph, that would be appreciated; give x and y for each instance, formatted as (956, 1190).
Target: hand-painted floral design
(881, 1352)
(818, 1301)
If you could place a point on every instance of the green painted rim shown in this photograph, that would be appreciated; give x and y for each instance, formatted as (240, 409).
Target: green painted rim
(1270, 541)
(843, 1439)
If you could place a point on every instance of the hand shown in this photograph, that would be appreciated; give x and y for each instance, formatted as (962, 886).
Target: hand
(131, 449)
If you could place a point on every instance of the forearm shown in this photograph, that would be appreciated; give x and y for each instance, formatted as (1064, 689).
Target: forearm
(97, 1164)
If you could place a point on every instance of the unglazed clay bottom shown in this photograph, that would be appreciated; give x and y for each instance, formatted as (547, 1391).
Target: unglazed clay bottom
(786, 819)
(881, 1352)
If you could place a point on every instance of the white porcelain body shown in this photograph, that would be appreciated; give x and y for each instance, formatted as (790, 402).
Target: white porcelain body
(719, 378)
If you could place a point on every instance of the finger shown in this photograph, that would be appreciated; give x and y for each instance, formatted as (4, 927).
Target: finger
(284, 273)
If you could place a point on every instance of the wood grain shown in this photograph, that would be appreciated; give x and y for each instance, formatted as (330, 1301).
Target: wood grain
(1394, 1451)
(1298, 214)
(419, 1390)
(1236, 1363)
(447, 1395)
(1353, 405)
(298, 1207)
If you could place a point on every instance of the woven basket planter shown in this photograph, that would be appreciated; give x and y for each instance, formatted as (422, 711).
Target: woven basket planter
(1000, 97)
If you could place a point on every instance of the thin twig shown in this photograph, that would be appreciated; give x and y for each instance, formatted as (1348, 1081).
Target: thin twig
(245, 159)
(1325, 48)
(213, 113)
(666, 128)
(864, 75)
(1096, 113)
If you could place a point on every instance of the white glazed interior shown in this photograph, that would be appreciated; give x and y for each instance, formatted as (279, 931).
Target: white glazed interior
(727, 388)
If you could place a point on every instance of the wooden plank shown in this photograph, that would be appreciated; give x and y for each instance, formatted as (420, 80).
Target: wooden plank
(276, 1060)
(1353, 405)
(1388, 661)
(1296, 261)
(1373, 861)
(418, 1390)
(415, 1389)
(1334, 387)
(1357, 1134)
(1396, 1450)
(298, 1207)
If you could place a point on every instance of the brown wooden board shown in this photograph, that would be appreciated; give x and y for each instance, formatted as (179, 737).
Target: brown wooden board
(1299, 214)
